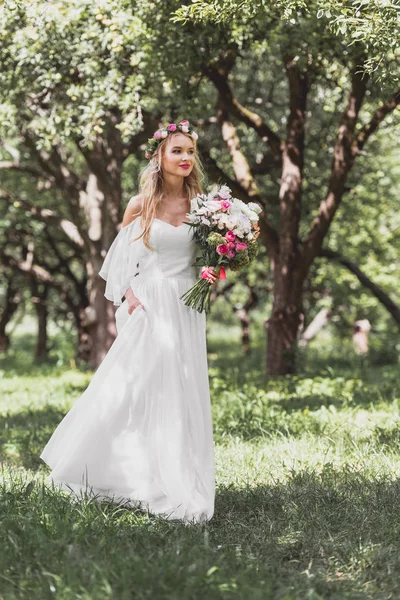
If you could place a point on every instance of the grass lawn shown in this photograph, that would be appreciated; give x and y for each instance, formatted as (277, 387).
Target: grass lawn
(308, 490)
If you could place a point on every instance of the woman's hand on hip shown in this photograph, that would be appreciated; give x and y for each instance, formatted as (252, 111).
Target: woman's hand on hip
(132, 300)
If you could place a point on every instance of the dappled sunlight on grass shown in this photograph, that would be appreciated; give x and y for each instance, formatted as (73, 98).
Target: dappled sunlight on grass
(307, 503)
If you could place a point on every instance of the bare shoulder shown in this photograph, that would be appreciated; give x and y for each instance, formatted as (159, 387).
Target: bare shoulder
(132, 210)
(135, 203)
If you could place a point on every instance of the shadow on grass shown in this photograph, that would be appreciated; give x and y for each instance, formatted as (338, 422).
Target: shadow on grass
(327, 535)
(23, 435)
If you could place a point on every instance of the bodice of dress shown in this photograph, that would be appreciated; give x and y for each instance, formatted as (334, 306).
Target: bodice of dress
(174, 252)
(129, 260)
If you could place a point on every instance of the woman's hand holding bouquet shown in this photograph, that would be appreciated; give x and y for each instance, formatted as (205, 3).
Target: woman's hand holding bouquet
(226, 230)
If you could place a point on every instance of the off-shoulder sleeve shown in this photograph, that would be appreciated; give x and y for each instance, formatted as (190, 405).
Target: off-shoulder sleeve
(121, 263)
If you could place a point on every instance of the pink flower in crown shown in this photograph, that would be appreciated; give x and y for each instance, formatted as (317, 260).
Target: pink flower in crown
(147, 155)
(241, 246)
(171, 127)
(231, 254)
(157, 135)
(225, 204)
(230, 236)
(185, 123)
(222, 249)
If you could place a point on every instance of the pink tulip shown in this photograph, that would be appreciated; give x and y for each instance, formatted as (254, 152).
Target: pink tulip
(222, 249)
(230, 236)
(241, 246)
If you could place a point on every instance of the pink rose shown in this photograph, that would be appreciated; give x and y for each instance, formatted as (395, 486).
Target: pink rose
(231, 245)
(222, 249)
(231, 254)
(147, 155)
(171, 127)
(157, 135)
(185, 122)
(241, 246)
(230, 236)
(225, 204)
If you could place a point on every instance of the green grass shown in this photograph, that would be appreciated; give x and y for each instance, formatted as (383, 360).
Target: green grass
(308, 489)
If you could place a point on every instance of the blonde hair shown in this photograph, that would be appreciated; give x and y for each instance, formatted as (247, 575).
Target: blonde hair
(151, 186)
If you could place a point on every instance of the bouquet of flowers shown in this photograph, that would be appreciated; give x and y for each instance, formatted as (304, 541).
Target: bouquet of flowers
(226, 230)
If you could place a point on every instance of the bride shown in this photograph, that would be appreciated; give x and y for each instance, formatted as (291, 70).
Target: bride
(141, 433)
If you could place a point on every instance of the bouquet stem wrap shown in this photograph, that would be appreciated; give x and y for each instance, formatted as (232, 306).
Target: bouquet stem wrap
(198, 296)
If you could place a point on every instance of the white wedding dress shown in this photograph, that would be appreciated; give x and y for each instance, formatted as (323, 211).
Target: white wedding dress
(141, 433)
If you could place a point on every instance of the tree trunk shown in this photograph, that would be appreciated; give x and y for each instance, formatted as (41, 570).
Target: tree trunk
(102, 204)
(244, 318)
(99, 329)
(283, 324)
(11, 304)
(39, 299)
(42, 339)
(287, 311)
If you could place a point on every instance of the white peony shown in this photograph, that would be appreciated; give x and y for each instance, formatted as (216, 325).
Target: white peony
(203, 210)
(194, 204)
(254, 207)
(224, 192)
(213, 205)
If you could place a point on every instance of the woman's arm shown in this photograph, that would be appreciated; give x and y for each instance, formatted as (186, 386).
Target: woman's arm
(131, 213)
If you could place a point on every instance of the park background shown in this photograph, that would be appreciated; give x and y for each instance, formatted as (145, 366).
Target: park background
(296, 106)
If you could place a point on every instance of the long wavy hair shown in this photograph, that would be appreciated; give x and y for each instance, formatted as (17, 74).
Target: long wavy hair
(151, 186)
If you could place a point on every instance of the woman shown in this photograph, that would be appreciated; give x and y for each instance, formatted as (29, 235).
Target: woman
(141, 433)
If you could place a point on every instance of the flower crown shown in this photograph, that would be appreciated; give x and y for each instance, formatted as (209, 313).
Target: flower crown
(163, 132)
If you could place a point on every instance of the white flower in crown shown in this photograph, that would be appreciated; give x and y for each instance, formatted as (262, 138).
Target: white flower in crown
(185, 129)
(164, 133)
(194, 135)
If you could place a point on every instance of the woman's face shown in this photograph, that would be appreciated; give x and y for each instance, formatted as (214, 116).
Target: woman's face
(179, 155)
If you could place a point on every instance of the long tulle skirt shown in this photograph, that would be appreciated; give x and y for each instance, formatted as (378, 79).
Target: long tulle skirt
(141, 433)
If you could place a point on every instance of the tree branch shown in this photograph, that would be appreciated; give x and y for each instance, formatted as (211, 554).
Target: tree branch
(48, 216)
(343, 159)
(218, 75)
(377, 118)
(16, 166)
(377, 291)
(239, 161)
